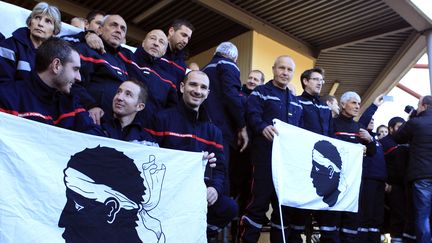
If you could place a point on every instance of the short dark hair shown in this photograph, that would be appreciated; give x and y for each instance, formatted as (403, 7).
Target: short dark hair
(178, 23)
(392, 122)
(92, 15)
(307, 74)
(380, 126)
(50, 49)
(186, 78)
(427, 100)
(260, 72)
(143, 94)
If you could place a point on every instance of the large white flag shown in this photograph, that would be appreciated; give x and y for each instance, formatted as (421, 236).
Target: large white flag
(312, 171)
(57, 185)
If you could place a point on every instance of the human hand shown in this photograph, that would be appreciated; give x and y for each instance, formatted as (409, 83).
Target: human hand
(95, 42)
(212, 195)
(242, 138)
(96, 114)
(269, 132)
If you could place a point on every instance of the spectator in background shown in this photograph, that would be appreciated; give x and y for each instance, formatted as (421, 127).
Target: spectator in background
(90, 35)
(179, 35)
(418, 133)
(241, 167)
(45, 97)
(17, 58)
(255, 78)
(224, 104)
(399, 193)
(374, 175)
(194, 66)
(332, 102)
(79, 22)
(382, 131)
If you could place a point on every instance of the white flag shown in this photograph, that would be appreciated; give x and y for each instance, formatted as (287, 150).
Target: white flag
(58, 185)
(312, 171)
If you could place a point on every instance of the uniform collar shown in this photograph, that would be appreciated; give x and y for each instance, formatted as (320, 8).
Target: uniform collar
(43, 91)
(308, 96)
(192, 115)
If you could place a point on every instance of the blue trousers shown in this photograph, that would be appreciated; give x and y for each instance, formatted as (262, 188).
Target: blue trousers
(422, 200)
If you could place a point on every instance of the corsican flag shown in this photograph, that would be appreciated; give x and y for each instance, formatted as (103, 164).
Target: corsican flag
(62, 186)
(312, 171)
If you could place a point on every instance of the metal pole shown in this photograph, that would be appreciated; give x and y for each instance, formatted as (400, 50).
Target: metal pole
(429, 52)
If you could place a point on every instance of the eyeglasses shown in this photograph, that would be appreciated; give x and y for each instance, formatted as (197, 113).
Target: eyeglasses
(318, 79)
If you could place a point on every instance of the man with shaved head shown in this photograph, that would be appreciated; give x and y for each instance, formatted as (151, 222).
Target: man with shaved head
(150, 69)
(267, 102)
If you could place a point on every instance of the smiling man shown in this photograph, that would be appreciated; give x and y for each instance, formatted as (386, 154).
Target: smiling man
(187, 127)
(130, 98)
(46, 96)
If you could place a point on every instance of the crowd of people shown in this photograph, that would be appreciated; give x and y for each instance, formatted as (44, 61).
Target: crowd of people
(89, 83)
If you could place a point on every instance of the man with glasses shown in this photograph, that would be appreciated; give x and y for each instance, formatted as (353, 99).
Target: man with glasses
(317, 117)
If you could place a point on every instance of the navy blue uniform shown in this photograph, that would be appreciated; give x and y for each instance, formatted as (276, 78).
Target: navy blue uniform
(401, 226)
(101, 75)
(154, 72)
(133, 132)
(374, 174)
(346, 129)
(317, 117)
(224, 102)
(76, 38)
(34, 100)
(182, 128)
(266, 103)
(17, 56)
(178, 57)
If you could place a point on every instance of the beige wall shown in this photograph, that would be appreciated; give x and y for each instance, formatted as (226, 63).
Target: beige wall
(265, 51)
(257, 51)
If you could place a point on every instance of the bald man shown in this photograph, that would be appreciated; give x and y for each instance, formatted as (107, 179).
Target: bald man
(267, 102)
(148, 67)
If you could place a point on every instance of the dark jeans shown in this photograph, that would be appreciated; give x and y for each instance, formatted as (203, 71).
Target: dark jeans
(422, 199)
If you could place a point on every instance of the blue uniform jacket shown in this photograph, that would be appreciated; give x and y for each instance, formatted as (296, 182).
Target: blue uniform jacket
(224, 102)
(264, 104)
(34, 100)
(374, 167)
(396, 157)
(101, 75)
(162, 92)
(133, 132)
(346, 129)
(317, 116)
(180, 128)
(177, 57)
(76, 38)
(17, 56)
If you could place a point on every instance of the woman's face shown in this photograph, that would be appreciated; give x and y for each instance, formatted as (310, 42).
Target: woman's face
(41, 27)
